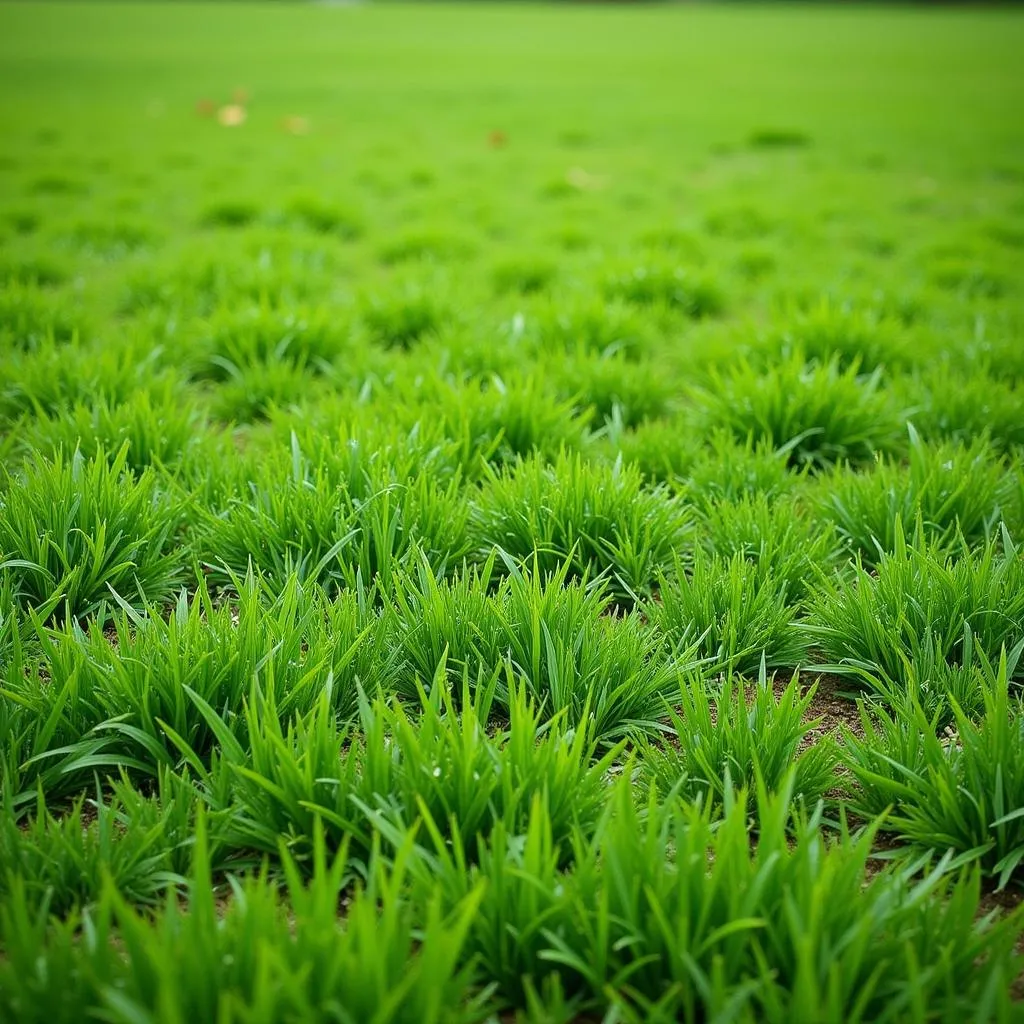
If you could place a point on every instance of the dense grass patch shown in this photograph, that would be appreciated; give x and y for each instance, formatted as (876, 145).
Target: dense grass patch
(510, 513)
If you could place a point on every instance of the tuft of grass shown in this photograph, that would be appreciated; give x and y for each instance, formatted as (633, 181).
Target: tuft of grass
(602, 520)
(724, 738)
(591, 326)
(270, 952)
(341, 525)
(64, 864)
(80, 531)
(736, 617)
(235, 340)
(499, 420)
(671, 915)
(726, 469)
(788, 546)
(964, 404)
(957, 491)
(921, 601)
(324, 218)
(617, 388)
(850, 336)
(821, 413)
(671, 287)
(555, 635)
(160, 429)
(960, 789)
(30, 318)
(54, 376)
(142, 688)
(403, 318)
(229, 213)
(523, 274)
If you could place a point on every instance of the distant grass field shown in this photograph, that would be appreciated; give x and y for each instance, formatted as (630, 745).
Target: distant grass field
(511, 513)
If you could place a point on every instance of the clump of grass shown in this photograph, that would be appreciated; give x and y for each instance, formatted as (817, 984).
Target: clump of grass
(661, 449)
(957, 492)
(851, 336)
(556, 636)
(111, 239)
(736, 617)
(497, 421)
(671, 287)
(592, 326)
(305, 518)
(160, 428)
(779, 138)
(669, 914)
(934, 684)
(724, 739)
(820, 413)
(80, 530)
(403, 318)
(788, 546)
(324, 218)
(41, 271)
(602, 520)
(63, 864)
(229, 213)
(148, 683)
(30, 318)
(523, 274)
(961, 789)
(271, 952)
(727, 470)
(918, 601)
(616, 388)
(55, 376)
(251, 393)
(429, 244)
(964, 405)
(233, 340)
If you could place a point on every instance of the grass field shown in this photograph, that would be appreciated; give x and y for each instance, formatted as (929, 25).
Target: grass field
(511, 514)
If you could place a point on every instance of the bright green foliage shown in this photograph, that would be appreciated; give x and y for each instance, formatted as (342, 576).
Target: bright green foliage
(79, 531)
(30, 318)
(661, 284)
(729, 470)
(268, 955)
(232, 341)
(496, 421)
(956, 491)
(55, 377)
(959, 789)
(603, 519)
(558, 636)
(64, 864)
(592, 326)
(725, 739)
(735, 616)
(922, 601)
(787, 545)
(160, 430)
(425, 434)
(668, 916)
(334, 523)
(449, 766)
(862, 337)
(820, 412)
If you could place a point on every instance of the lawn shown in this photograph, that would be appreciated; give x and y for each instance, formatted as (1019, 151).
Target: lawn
(511, 513)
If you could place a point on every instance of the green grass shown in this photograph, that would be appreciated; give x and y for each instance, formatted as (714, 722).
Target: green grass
(442, 515)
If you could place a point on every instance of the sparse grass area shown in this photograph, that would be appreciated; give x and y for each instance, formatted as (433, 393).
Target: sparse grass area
(511, 514)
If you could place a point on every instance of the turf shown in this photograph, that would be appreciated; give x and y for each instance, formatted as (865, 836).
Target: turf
(511, 513)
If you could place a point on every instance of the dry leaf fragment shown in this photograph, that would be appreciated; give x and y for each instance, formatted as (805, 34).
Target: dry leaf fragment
(231, 115)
